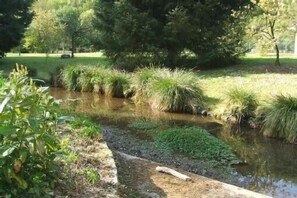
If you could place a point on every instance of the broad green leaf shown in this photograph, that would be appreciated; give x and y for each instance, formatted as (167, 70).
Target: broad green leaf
(7, 130)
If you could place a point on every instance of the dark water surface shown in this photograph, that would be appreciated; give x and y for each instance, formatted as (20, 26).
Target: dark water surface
(270, 166)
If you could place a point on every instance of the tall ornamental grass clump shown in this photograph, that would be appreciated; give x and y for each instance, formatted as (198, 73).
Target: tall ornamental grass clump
(28, 141)
(117, 84)
(140, 80)
(240, 104)
(175, 91)
(84, 79)
(98, 79)
(69, 77)
(280, 118)
(196, 142)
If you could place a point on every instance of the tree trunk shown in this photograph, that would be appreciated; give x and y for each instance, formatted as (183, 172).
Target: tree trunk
(72, 46)
(277, 62)
(295, 49)
(172, 57)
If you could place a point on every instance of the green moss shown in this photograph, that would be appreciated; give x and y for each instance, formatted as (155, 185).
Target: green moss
(195, 142)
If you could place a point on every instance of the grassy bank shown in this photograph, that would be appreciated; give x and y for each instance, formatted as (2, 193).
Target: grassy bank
(47, 65)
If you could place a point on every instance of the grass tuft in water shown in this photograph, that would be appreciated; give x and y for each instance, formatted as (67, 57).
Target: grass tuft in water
(98, 79)
(197, 143)
(240, 104)
(117, 84)
(175, 91)
(280, 118)
(85, 79)
(69, 76)
(141, 78)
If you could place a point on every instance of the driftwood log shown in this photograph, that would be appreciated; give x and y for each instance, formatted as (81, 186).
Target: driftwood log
(172, 172)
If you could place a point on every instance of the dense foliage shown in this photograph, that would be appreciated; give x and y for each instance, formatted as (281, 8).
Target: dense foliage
(15, 16)
(28, 142)
(169, 30)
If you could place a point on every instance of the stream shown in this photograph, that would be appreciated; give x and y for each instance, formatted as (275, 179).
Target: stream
(269, 165)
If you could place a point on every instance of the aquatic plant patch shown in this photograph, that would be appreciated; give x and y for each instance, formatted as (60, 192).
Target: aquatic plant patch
(195, 142)
(143, 125)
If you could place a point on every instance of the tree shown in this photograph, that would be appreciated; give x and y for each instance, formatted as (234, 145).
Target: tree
(44, 33)
(15, 16)
(273, 18)
(76, 18)
(167, 30)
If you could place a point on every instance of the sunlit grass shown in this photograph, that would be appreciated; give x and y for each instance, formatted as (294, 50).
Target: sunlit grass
(175, 91)
(117, 84)
(280, 118)
(240, 104)
(45, 66)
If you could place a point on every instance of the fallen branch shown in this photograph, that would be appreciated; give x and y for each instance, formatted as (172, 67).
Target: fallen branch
(172, 172)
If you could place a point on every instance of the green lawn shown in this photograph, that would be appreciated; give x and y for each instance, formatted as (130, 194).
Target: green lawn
(254, 72)
(45, 66)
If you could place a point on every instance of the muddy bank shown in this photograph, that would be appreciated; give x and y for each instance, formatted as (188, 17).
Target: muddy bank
(124, 141)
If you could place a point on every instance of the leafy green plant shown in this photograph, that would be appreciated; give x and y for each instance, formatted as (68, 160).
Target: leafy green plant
(280, 118)
(28, 142)
(175, 91)
(117, 83)
(143, 125)
(240, 104)
(195, 142)
(86, 127)
(69, 77)
(91, 175)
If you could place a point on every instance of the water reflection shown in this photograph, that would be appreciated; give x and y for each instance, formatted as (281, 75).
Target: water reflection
(268, 165)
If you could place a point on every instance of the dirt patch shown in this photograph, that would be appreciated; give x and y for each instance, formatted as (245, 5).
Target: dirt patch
(144, 181)
(129, 143)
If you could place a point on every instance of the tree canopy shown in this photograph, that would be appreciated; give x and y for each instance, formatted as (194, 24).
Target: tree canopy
(167, 30)
(15, 16)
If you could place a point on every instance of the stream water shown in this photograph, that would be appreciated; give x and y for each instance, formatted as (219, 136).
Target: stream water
(270, 166)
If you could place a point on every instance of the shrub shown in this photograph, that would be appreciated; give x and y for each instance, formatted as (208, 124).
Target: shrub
(117, 83)
(196, 142)
(84, 80)
(86, 127)
(280, 118)
(175, 91)
(98, 79)
(70, 77)
(28, 143)
(240, 104)
(141, 79)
